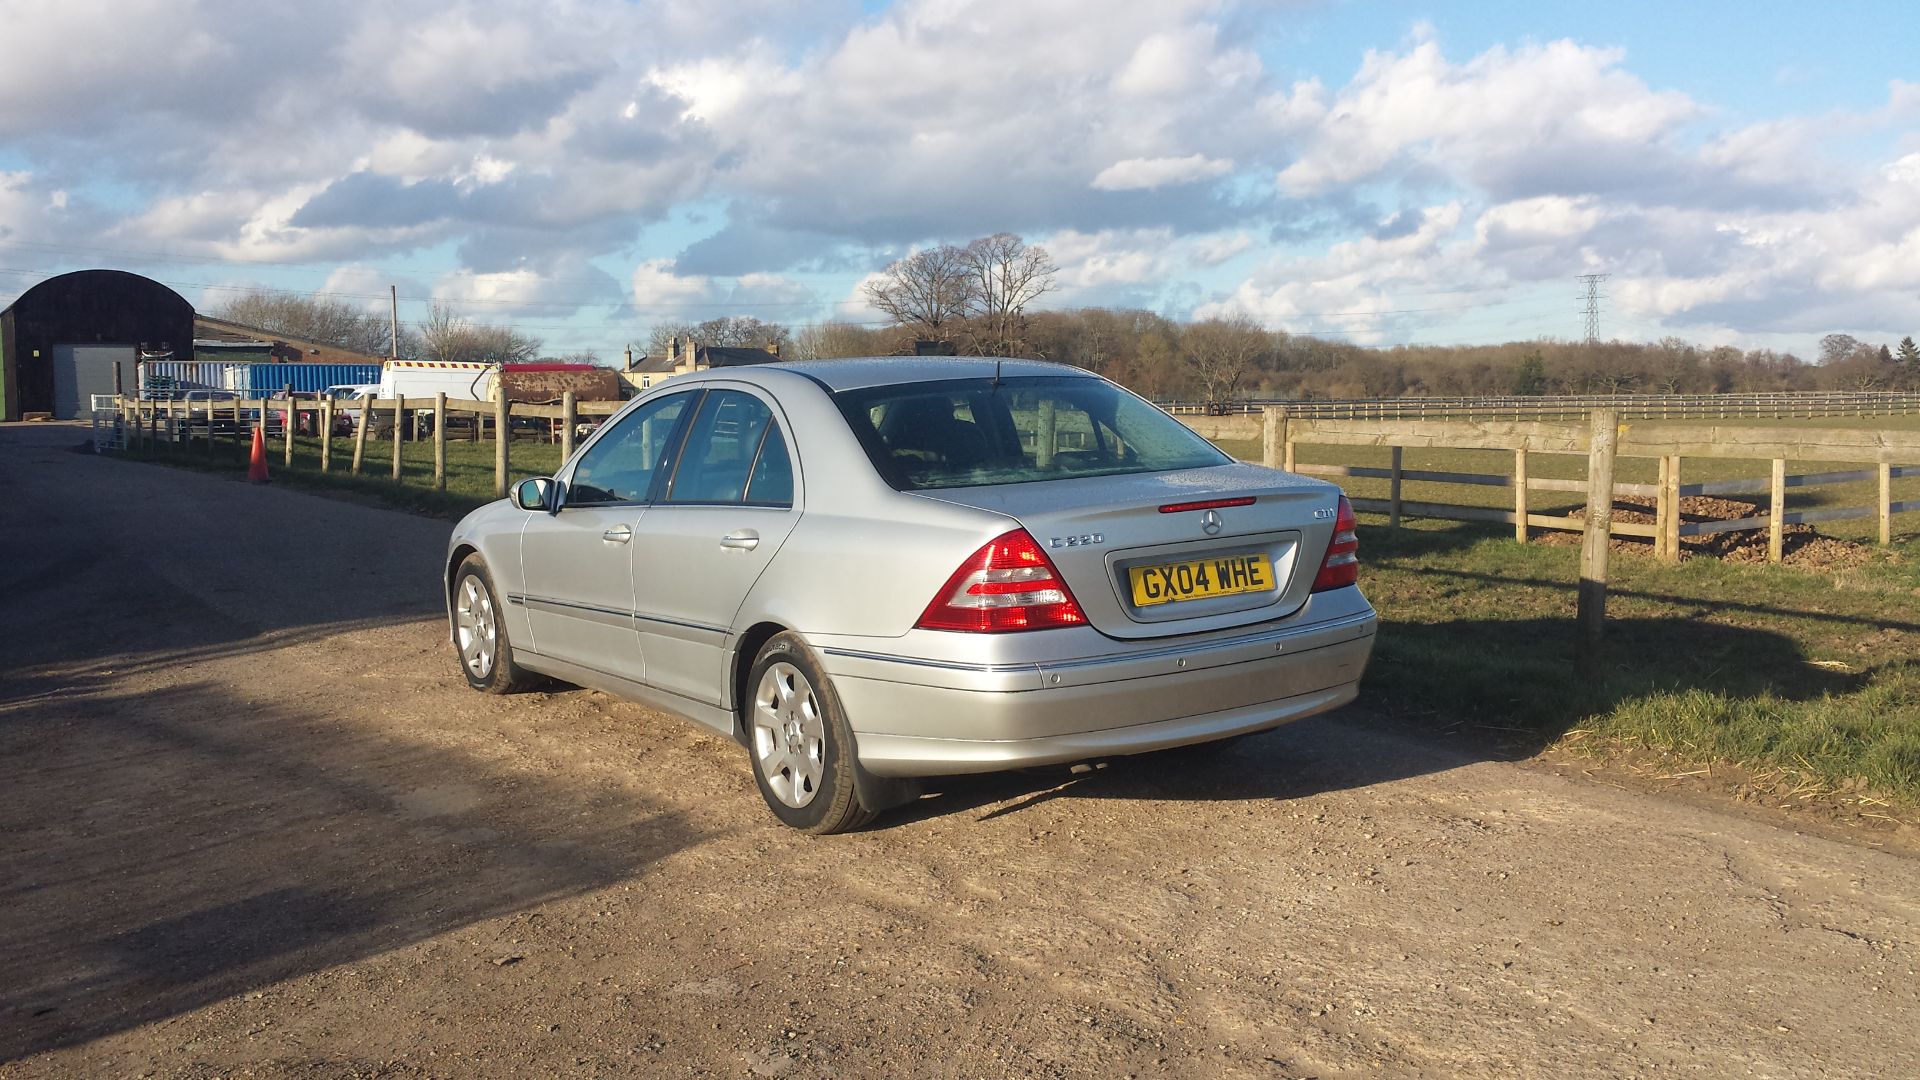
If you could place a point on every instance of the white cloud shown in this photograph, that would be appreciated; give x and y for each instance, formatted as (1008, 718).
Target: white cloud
(1135, 174)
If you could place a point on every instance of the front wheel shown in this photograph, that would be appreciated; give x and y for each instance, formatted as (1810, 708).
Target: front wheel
(480, 634)
(800, 743)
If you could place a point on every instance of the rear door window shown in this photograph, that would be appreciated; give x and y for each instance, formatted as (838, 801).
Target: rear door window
(733, 454)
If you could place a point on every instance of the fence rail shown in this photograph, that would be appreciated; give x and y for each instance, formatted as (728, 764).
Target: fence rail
(137, 422)
(1784, 406)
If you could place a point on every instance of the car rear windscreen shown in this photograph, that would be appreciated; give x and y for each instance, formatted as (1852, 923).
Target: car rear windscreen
(973, 432)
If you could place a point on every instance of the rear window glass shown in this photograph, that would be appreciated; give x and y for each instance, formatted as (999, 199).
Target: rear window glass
(973, 432)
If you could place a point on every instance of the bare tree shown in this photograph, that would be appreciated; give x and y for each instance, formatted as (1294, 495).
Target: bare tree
(740, 332)
(310, 318)
(1222, 353)
(832, 340)
(928, 290)
(448, 336)
(1006, 275)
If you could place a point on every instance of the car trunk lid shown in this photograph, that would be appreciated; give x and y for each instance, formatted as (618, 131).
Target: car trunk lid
(1188, 551)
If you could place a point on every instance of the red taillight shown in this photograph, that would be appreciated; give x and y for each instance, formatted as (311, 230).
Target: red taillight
(1009, 584)
(1342, 564)
(1206, 504)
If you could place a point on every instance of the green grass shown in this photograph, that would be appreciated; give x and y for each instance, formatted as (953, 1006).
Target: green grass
(1815, 675)
(469, 469)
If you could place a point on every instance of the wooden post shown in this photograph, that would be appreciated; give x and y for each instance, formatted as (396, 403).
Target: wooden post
(1670, 538)
(326, 434)
(1273, 436)
(399, 420)
(293, 421)
(440, 442)
(1596, 545)
(569, 416)
(1393, 492)
(238, 439)
(1520, 495)
(1286, 460)
(360, 433)
(1777, 528)
(1660, 511)
(502, 429)
(210, 410)
(1886, 503)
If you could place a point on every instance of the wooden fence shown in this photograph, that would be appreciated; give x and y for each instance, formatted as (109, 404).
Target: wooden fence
(1780, 406)
(234, 419)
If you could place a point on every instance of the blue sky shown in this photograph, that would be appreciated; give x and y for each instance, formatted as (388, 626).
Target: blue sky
(1381, 172)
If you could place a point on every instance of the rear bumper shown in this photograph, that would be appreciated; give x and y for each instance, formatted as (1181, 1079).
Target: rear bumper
(921, 721)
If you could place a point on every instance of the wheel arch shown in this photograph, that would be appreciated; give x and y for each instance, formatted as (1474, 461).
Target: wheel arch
(459, 555)
(746, 647)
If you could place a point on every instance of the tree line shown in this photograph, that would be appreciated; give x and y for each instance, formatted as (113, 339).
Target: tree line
(976, 298)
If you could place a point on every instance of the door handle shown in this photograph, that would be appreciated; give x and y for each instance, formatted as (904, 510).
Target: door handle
(619, 534)
(744, 540)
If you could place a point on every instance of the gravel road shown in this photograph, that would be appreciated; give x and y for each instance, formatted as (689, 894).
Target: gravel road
(254, 824)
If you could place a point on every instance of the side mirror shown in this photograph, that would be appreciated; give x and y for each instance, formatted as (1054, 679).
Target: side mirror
(539, 493)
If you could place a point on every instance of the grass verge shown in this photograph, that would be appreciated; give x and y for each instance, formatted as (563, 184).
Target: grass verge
(1813, 675)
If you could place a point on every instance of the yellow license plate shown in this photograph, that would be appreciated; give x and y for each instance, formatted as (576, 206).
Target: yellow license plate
(1198, 579)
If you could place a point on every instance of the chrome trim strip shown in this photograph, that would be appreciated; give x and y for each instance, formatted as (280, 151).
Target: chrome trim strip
(624, 616)
(1261, 638)
(587, 612)
(711, 629)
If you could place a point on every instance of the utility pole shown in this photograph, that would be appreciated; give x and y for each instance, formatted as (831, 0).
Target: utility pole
(393, 293)
(1593, 297)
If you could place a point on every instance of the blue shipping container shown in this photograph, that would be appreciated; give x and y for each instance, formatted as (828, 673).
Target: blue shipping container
(304, 378)
(173, 376)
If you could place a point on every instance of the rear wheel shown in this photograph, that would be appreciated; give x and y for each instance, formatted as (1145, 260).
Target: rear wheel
(480, 634)
(800, 743)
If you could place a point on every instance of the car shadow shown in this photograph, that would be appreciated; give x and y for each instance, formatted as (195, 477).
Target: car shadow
(1436, 697)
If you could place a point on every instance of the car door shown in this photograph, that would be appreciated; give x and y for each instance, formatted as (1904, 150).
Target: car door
(719, 519)
(577, 564)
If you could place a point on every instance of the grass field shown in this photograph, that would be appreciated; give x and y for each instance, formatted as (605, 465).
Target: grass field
(1627, 471)
(1815, 675)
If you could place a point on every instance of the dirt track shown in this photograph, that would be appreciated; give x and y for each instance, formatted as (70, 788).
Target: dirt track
(254, 824)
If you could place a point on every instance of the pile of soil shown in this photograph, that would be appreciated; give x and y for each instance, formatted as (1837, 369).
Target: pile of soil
(1802, 545)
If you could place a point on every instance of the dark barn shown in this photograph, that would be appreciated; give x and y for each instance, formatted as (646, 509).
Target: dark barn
(60, 340)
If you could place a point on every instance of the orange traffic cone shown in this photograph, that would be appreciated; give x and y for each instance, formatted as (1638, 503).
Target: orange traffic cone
(257, 465)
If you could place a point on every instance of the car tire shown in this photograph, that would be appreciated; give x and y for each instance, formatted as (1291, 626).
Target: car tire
(799, 742)
(480, 634)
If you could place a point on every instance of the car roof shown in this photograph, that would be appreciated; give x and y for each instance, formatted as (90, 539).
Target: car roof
(859, 372)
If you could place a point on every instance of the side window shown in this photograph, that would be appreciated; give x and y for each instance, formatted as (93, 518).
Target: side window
(619, 468)
(718, 460)
(772, 480)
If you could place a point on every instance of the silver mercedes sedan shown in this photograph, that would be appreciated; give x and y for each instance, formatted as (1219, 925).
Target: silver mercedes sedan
(870, 572)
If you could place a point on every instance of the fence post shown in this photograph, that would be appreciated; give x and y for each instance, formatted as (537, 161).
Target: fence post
(1886, 502)
(399, 421)
(502, 429)
(1661, 508)
(326, 434)
(1776, 528)
(440, 442)
(1393, 493)
(569, 416)
(360, 433)
(1520, 495)
(1273, 437)
(1596, 543)
(1670, 492)
(293, 421)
